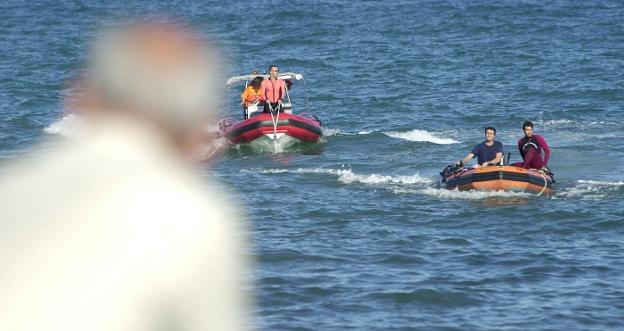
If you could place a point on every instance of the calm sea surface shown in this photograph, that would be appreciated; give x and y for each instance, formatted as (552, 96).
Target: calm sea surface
(358, 236)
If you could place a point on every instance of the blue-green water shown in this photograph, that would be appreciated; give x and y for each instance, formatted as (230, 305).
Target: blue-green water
(358, 236)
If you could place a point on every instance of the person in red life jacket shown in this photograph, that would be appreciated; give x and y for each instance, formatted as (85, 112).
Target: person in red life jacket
(489, 152)
(274, 90)
(530, 147)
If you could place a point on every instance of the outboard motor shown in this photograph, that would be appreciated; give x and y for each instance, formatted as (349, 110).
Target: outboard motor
(547, 171)
(450, 170)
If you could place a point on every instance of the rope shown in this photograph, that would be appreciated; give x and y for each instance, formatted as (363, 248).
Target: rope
(274, 120)
(545, 183)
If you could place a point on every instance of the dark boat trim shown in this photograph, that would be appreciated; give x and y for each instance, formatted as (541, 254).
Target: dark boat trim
(497, 175)
(269, 124)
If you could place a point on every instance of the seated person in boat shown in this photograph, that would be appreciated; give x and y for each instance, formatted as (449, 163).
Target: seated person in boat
(273, 90)
(489, 152)
(531, 147)
(252, 93)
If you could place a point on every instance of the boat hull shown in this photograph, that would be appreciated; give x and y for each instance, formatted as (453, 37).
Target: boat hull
(500, 178)
(297, 127)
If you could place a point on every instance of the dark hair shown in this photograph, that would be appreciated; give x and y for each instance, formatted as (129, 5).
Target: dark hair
(271, 67)
(527, 124)
(489, 128)
(256, 82)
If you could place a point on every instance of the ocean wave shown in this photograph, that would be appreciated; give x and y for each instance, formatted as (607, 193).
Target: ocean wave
(71, 125)
(347, 176)
(421, 135)
(554, 122)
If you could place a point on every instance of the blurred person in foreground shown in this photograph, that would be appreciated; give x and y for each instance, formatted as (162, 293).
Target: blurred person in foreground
(115, 230)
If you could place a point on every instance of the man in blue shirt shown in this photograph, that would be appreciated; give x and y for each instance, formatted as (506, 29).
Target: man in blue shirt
(488, 153)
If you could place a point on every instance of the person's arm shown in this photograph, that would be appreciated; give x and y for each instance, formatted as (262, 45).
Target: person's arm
(244, 96)
(467, 158)
(496, 160)
(499, 154)
(542, 142)
(474, 152)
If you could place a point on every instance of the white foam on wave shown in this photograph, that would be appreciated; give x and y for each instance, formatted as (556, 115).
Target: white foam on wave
(462, 195)
(328, 132)
(347, 176)
(591, 189)
(601, 183)
(71, 125)
(421, 135)
(555, 122)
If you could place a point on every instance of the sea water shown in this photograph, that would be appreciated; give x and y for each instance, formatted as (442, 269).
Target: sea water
(359, 236)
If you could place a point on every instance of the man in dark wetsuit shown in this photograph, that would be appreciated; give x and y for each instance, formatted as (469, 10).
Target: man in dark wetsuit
(531, 146)
(489, 152)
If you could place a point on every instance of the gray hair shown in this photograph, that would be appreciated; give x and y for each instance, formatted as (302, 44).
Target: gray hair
(159, 71)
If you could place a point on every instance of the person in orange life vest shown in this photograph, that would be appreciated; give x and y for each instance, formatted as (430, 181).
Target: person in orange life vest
(530, 147)
(252, 93)
(274, 90)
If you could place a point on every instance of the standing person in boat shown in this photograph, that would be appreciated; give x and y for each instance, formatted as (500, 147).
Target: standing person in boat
(273, 90)
(489, 152)
(531, 147)
(253, 93)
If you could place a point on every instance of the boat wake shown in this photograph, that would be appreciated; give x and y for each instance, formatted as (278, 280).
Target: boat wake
(347, 176)
(328, 132)
(463, 195)
(399, 184)
(593, 190)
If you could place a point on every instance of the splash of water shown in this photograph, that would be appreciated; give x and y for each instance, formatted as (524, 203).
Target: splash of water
(71, 125)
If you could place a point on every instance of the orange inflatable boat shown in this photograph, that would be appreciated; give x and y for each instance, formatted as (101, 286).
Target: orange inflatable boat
(497, 178)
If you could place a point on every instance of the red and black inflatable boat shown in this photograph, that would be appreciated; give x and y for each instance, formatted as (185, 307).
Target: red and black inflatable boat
(274, 130)
(498, 178)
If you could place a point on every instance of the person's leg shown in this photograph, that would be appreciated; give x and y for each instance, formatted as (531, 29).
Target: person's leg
(528, 158)
(532, 159)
